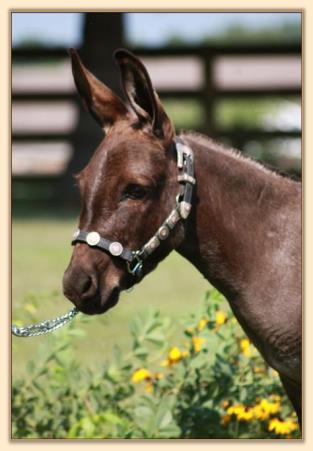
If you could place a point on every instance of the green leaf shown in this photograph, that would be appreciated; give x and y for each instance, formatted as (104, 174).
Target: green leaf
(76, 333)
(30, 366)
(111, 417)
(156, 338)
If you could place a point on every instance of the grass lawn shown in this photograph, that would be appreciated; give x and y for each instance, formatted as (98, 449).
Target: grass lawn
(40, 252)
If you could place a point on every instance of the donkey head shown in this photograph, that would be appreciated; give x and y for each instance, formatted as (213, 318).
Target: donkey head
(128, 187)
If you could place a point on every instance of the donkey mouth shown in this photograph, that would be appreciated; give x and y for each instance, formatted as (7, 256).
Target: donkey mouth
(99, 304)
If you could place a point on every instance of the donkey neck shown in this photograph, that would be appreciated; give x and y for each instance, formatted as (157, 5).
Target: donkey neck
(235, 212)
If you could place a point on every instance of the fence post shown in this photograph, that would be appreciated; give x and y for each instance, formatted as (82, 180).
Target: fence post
(208, 95)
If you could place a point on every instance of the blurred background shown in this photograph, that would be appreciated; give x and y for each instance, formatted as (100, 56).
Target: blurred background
(233, 76)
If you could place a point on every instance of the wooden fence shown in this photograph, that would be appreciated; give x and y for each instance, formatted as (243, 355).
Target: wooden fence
(207, 94)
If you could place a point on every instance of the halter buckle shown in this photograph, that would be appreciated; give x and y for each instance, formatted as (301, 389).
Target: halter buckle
(136, 271)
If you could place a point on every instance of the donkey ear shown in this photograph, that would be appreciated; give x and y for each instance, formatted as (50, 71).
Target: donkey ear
(105, 106)
(141, 95)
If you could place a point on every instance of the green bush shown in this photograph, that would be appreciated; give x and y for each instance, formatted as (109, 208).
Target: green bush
(213, 385)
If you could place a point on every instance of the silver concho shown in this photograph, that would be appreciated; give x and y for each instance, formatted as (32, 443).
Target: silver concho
(185, 208)
(75, 234)
(173, 219)
(163, 232)
(152, 244)
(93, 238)
(115, 248)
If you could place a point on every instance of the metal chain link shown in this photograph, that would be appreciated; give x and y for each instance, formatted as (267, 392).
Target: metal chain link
(44, 327)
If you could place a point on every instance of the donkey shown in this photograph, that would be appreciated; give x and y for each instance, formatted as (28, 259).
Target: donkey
(147, 191)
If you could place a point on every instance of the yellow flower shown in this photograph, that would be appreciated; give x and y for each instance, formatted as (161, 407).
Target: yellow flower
(241, 412)
(220, 318)
(197, 343)
(246, 415)
(233, 410)
(141, 374)
(264, 409)
(244, 346)
(175, 355)
(282, 427)
(202, 323)
(259, 413)
(270, 407)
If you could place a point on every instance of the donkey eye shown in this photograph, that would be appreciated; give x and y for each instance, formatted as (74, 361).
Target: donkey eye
(135, 192)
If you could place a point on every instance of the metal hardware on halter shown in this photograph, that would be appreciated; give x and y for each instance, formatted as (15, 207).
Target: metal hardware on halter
(173, 217)
(184, 210)
(135, 259)
(137, 269)
(93, 239)
(115, 248)
(186, 178)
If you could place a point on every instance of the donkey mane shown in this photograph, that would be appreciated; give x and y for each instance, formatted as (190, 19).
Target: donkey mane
(215, 146)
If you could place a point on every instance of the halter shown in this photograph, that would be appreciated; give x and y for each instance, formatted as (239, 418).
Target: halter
(135, 259)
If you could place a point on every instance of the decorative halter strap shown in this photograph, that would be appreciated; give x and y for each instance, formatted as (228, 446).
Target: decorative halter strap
(135, 259)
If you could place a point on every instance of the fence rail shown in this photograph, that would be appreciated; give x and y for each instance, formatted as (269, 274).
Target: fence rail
(201, 50)
(207, 95)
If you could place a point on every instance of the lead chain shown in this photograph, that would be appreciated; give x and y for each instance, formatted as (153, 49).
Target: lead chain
(44, 327)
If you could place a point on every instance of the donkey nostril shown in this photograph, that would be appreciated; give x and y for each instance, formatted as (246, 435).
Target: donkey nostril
(79, 285)
(86, 285)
